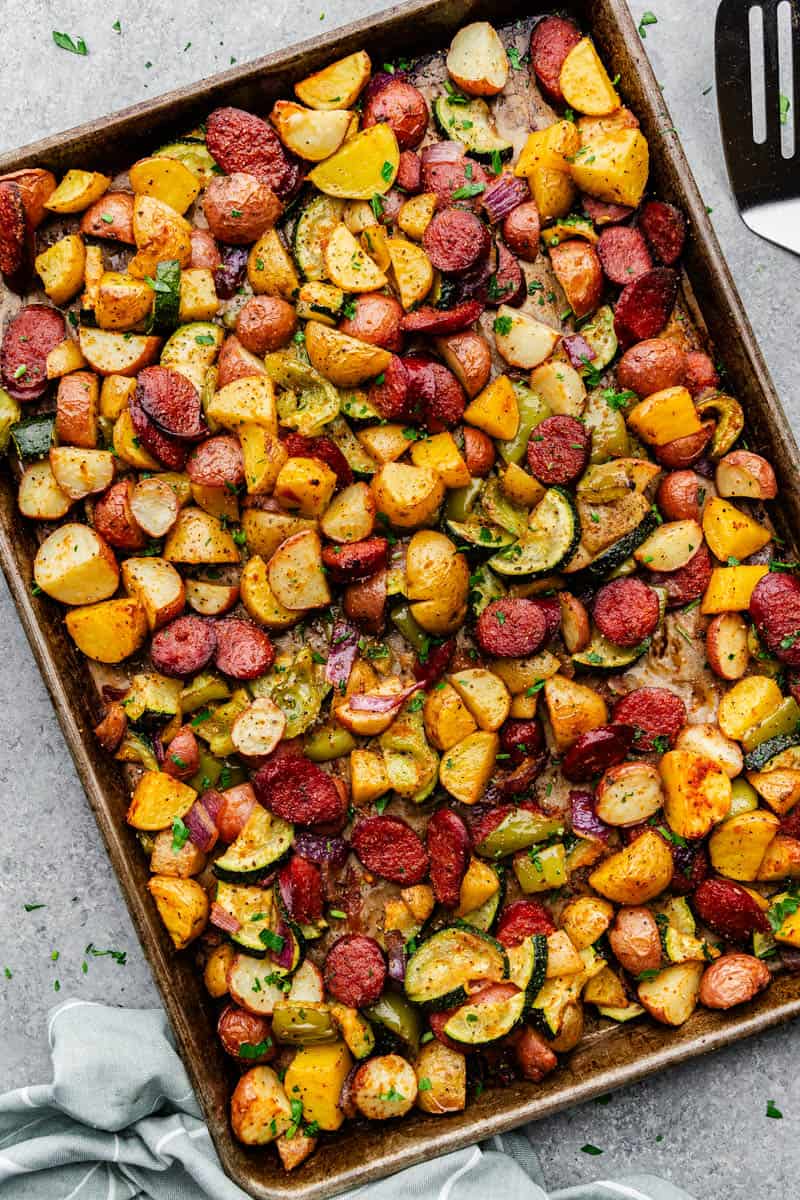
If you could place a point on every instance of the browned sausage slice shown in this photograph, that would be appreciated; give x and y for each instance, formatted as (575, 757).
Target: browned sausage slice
(558, 450)
(184, 646)
(243, 650)
(355, 970)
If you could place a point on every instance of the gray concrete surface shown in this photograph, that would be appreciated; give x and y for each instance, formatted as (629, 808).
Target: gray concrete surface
(704, 1125)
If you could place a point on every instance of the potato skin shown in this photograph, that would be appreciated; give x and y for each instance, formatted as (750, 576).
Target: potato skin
(76, 409)
(578, 270)
(237, 1027)
(235, 362)
(635, 940)
(365, 602)
(239, 208)
(521, 231)
(681, 495)
(265, 323)
(376, 320)
(179, 864)
(469, 357)
(479, 452)
(205, 251)
(733, 979)
(651, 366)
(114, 520)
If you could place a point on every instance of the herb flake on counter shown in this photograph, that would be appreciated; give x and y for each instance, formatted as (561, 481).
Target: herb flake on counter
(65, 42)
(648, 18)
(774, 1112)
(119, 956)
(588, 1148)
(33, 907)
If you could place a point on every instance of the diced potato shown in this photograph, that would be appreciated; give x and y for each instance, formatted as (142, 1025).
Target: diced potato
(730, 533)
(520, 487)
(697, 792)
(411, 271)
(81, 472)
(639, 872)
(313, 135)
(730, 588)
(157, 586)
(158, 800)
(553, 191)
(270, 268)
(305, 485)
(318, 301)
(780, 787)
(315, 1077)
(441, 1079)
(561, 388)
(348, 266)
(436, 581)
(415, 215)
(115, 394)
(215, 972)
(182, 905)
(266, 530)
(562, 956)
(409, 496)
(92, 274)
(110, 631)
(672, 996)
(77, 190)
(615, 169)
(585, 82)
(386, 443)
(477, 60)
(368, 778)
(447, 719)
(606, 990)
(294, 1150)
(198, 295)
(364, 166)
(479, 884)
(76, 410)
(39, 495)
(260, 1109)
(495, 409)
(550, 147)
(74, 565)
(167, 179)
(573, 709)
(629, 793)
(111, 353)
(259, 599)
(122, 301)
(748, 702)
(737, 847)
(160, 233)
(467, 767)
(342, 359)
(264, 456)
(384, 1087)
(61, 268)
(710, 742)
(521, 340)
(243, 402)
(485, 696)
(337, 85)
(296, 574)
(197, 537)
(781, 860)
(520, 674)
(127, 447)
(665, 416)
(350, 517)
(441, 454)
(63, 358)
(586, 919)
(671, 546)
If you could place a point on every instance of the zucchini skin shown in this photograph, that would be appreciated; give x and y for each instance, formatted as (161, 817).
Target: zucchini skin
(33, 436)
(616, 554)
(557, 564)
(457, 995)
(758, 758)
(471, 144)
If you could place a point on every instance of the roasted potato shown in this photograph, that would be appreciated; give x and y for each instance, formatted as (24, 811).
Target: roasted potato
(344, 360)
(437, 582)
(467, 767)
(157, 586)
(638, 873)
(74, 565)
(61, 266)
(109, 631)
(441, 1079)
(409, 496)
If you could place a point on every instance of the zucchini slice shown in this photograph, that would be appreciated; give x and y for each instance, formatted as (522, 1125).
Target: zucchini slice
(33, 436)
(603, 655)
(499, 509)
(262, 928)
(263, 843)
(528, 966)
(438, 972)
(550, 540)
(546, 1013)
(484, 588)
(166, 296)
(760, 757)
(482, 1024)
(197, 341)
(612, 558)
(472, 125)
(481, 534)
(194, 155)
(314, 226)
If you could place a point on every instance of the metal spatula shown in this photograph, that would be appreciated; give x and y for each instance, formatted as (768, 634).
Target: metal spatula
(758, 93)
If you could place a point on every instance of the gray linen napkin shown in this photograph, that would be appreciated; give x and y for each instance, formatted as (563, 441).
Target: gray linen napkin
(120, 1121)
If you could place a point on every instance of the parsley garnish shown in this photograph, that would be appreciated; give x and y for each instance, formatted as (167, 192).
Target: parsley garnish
(617, 400)
(784, 104)
(782, 909)
(119, 956)
(590, 1149)
(502, 325)
(424, 1085)
(773, 1111)
(273, 941)
(387, 170)
(180, 835)
(249, 1050)
(33, 907)
(65, 42)
(337, 913)
(514, 58)
(648, 18)
(468, 191)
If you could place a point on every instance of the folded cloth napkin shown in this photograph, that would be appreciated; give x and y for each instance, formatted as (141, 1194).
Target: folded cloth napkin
(120, 1121)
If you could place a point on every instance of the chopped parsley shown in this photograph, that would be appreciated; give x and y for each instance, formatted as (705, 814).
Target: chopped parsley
(784, 104)
(648, 18)
(590, 1149)
(781, 909)
(617, 400)
(65, 42)
(33, 907)
(273, 941)
(424, 1085)
(468, 190)
(337, 913)
(773, 1111)
(119, 956)
(250, 1050)
(180, 835)
(387, 170)
(502, 325)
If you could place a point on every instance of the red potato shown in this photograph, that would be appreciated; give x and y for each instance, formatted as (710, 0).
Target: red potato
(154, 506)
(376, 320)
(211, 599)
(727, 647)
(521, 230)
(651, 366)
(701, 374)
(479, 452)
(111, 217)
(384, 1087)
(681, 496)
(114, 519)
(578, 270)
(239, 208)
(265, 323)
(111, 730)
(399, 105)
(77, 409)
(232, 815)
(240, 1030)
(534, 1057)
(36, 185)
(157, 586)
(217, 462)
(205, 251)
(681, 453)
(75, 565)
(182, 755)
(733, 979)
(635, 940)
(575, 625)
(742, 473)
(469, 357)
(365, 602)
(235, 362)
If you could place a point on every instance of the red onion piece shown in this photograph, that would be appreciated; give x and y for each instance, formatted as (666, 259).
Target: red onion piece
(396, 958)
(285, 956)
(443, 152)
(224, 920)
(229, 275)
(503, 196)
(373, 702)
(202, 830)
(578, 350)
(111, 693)
(320, 849)
(790, 959)
(159, 751)
(435, 665)
(585, 820)
(344, 652)
(212, 801)
(391, 204)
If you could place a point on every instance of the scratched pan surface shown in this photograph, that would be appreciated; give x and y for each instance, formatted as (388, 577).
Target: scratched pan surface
(605, 1059)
